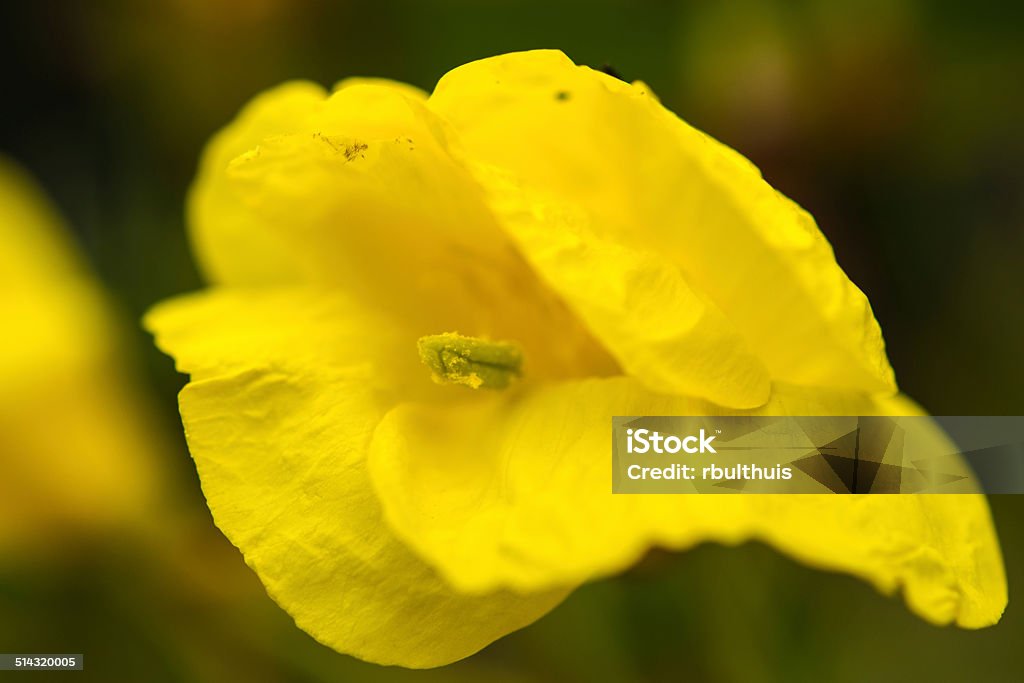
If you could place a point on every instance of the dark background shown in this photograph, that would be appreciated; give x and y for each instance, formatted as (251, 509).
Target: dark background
(896, 123)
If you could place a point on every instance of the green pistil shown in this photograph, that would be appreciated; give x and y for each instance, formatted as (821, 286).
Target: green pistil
(473, 362)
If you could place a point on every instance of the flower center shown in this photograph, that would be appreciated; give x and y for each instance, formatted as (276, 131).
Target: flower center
(470, 361)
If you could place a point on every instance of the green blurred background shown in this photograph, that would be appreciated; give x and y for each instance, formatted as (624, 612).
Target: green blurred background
(896, 123)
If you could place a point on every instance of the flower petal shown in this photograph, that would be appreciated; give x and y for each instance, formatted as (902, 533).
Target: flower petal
(358, 191)
(637, 303)
(515, 492)
(645, 179)
(228, 246)
(355, 187)
(280, 444)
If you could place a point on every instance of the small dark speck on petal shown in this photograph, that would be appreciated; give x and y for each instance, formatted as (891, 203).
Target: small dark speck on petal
(612, 71)
(562, 95)
(354, 150)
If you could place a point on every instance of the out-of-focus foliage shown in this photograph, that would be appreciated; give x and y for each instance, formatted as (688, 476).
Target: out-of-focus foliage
(897, 124)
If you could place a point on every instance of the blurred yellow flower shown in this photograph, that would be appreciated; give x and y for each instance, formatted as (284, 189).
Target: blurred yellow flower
(639, 267)
(75, 443)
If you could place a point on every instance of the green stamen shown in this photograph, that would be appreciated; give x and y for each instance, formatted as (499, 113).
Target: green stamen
(473, 362)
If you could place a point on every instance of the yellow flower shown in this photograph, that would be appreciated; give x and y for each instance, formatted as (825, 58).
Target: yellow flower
(76, 444)
(545, 213)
